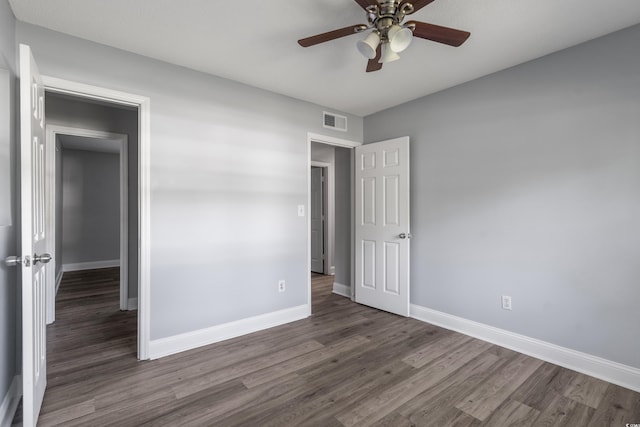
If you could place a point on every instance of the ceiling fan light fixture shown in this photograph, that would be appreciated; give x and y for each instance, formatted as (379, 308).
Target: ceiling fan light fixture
(388, 55)
(367, 47)
(399, 38)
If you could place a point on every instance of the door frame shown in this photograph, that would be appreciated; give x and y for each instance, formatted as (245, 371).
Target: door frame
(142, 103)
(336, 142)
(52, 131)
(328, 211)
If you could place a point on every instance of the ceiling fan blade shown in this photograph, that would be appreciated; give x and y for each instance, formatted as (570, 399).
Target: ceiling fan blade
(366, 3)
(328, 36)
(439, 34)
(374, 64)
(417, 4)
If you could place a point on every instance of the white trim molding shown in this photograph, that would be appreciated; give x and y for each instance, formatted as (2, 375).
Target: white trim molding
(90, 265)
(342, 290)
(190, 340)
(9, 404)
(331, 140)
(607, 370)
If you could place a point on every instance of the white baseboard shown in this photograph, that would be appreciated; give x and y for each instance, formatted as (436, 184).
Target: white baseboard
(187, 341)
(10, 402)
(607, 370)
(91, 265)
(132, 304)
(59, 279)
(342, 290)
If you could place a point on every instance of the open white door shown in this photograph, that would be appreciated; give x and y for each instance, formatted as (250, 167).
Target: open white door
(33, 237)
(382, 225)
(317, 221)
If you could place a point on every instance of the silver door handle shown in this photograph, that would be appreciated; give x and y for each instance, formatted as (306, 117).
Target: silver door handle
(44, 258)
(12, 261)
(404, 235)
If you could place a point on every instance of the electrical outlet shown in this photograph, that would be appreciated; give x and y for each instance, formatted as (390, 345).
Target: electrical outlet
(281, 286)
(506, 302)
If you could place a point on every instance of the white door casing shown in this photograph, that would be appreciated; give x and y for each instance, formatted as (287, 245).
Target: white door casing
(33, 236)
(52, 131)
(382, 232)
(143, 105)
(317, 221)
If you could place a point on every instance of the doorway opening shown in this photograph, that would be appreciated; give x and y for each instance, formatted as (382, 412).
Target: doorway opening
(95, 117)
(330, 217)
(89, 211)
(93, 230)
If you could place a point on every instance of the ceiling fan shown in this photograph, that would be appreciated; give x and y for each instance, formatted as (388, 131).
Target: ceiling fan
(389, 36)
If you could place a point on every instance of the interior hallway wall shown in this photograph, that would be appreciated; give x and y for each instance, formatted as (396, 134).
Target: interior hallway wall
(343, 206)
(90, 206)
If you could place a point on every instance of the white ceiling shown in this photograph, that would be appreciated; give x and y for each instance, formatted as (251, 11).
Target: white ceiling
(254, 41)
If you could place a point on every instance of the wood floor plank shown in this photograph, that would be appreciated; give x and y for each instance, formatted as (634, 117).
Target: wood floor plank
(586, 390)
(202, 382)
(618, 406)
(541, 388)
(198, 409)
(430, 408)
(302, 361)
(434, 349)
(564, 412)
(321, 396)
(376, 407)
(394, 419)
(485, 399)
(513, 413)
(346, 364)
(66, 414)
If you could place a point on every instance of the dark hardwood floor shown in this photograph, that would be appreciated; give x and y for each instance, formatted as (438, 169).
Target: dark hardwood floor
(346, 365)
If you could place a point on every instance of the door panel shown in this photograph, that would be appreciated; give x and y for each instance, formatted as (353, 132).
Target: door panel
(33, 236)
(382, 225)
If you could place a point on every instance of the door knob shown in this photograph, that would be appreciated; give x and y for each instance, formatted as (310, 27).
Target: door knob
(12, 261)
(404, 235)
(44, 258)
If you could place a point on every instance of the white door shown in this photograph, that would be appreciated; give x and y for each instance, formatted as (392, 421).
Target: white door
(33, 237)
(317, 221)
(382, 225)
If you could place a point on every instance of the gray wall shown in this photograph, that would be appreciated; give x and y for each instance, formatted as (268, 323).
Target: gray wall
(343, 215)
(69, 111)
(228, 168)
(8, 277)
(90, 206)
(527, 183)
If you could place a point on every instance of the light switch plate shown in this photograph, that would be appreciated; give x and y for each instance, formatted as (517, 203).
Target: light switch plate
(300, 210)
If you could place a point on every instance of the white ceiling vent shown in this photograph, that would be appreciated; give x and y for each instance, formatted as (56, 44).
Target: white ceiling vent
(334, 121)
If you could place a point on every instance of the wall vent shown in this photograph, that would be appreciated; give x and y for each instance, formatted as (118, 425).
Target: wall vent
(334, 121)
